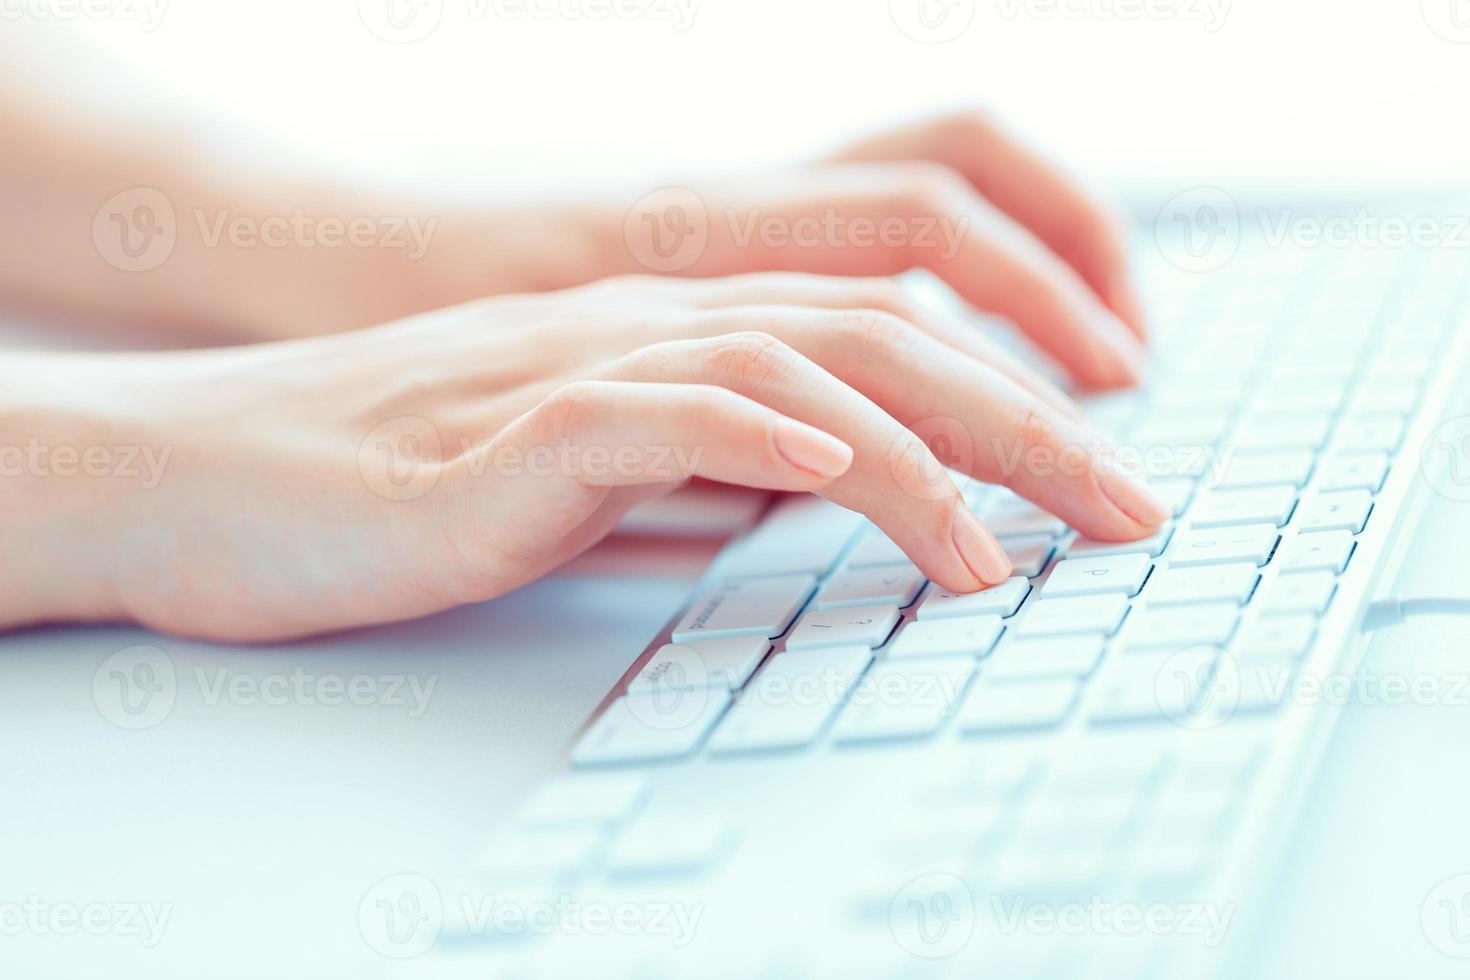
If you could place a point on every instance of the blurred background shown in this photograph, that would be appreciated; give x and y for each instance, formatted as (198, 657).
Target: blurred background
(470, 91)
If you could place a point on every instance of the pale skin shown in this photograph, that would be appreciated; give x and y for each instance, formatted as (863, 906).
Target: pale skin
(524, 333)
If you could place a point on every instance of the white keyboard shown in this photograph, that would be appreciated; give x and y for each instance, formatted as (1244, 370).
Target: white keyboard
(850, 772)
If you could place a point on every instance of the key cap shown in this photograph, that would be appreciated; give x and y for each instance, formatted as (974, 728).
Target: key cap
(1153, 545)
(1028, 555)
(903, 699)
(1259, 505)
(1272, 432)
(1123, 574)
(802, 534)
(757, 606)
(790, 701)
(1369, 434)
(584, 800)
(1251, 542)
(971, 636)
(1175, 492)
(1181, 626)
(726, 663)
(1158, 687)
(998, 706)
(1280, 639)
(998, 600)
(649, 728)
(1079, 614)
(1324, 550)
(878, 585)
(1020, 518)
(875, 548)
(866, 626)
(1394, 398)
(1291, 468)
(1048, 656)
(1344, 510)
(1232, 582)
(670, 846)
(1305, 592)
(1355, 471)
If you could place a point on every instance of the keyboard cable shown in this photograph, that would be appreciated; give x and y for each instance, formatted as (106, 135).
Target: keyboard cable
(1391, 612)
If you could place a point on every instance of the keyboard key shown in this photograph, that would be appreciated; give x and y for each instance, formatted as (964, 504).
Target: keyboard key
(1324, 550)
(1158, 687)
(998, 600)
(1275, 431)
(1123, 574)
(1355, 471)
(880, 584)
(726, 663)
(875, 548)
(1259, 505)
(1153, 545)
(997, 706)
(757, 606)
(1047, 656)
(971, 636)
(670, 846)
(650, 728)
(1233, 582)
(1209, 624)
(801, 534)
(1028, 555)
(584, 800)
(1306, 592)
(791, 700)
(1280, 639)
(865, 626)
(1370, 434)
(1292, 468)
(1175, 492)
(1252, 542)
(1344, 510)
(1389, 398)
(1080, 614)
(904, 699)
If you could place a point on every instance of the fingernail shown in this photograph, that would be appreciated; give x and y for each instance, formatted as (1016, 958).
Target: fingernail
(812, 449)
(978, 548)
(1134, 499)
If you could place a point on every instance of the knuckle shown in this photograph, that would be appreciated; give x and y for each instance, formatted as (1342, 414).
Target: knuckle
(884, 293)
(878, 332)
(561, 414)
(745, 361)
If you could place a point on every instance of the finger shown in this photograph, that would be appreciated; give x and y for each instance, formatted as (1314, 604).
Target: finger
(1029, 187)
(553, 467)
(876, 293)
(995, 430)
(894, 478)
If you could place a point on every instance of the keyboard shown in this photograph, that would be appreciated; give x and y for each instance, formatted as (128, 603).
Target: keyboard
(826, 765)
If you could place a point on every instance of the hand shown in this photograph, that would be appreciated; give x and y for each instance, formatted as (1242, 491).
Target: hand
(326, 483)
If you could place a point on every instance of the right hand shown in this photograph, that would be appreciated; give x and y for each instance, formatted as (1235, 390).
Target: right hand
(279, 515)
